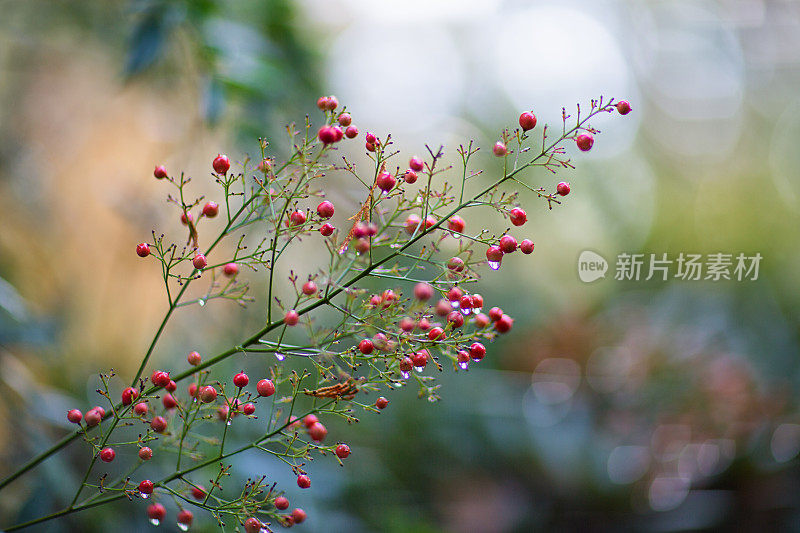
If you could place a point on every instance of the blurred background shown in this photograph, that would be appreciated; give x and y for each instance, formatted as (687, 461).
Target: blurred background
(612, 406)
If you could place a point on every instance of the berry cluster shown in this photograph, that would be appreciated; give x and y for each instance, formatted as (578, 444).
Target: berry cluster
(408, 232)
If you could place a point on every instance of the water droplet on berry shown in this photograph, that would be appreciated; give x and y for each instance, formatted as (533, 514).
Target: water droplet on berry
(419, 368)
(183, 527)
(454, 304)
(494, 265)
(465, 311)
(405, 374)
(155, 521)
(464, 365)
(279, 356)
(344, 250)
(143, 495)
(477, 310)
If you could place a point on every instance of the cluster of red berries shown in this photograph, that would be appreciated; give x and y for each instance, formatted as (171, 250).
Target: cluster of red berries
(330, 134)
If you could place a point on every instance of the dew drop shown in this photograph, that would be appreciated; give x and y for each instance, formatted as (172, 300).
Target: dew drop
(431, 399)
(343, 250)
(227, 423)
(155, 521)
(279, 356)
(464, 365)
(183, 527)
(419, 368)
(143, 495)
(465, 311)
(396, 245)
(405, 374)
(494, 265)
(454, 304)
(201, 302)
(477, 310)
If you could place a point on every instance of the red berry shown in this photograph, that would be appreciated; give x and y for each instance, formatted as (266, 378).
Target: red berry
(465, 302)
(337, 133)
(456, 319)
(584, 142)
(518, 216)
(362, 245)
(477, 301)
(159, 424)
(143, 249)
(230, 269)
(221, 164)
(208, 394)
(462, 356)
(75, 416)
(365, 346)
(298, 515)
(326, 135)
(332, 103)
(303, 481)
(128, 395)
(369, 146)
(185, 517)
(160, 378)
(527, 121)
(381, 403)
(322, 103)
(406, 364)
(494, 253)
(623, 107)
(186, 218)
(477, 351)
(407, 324)
(107, 455)
(291, 318)
(265, 387)
(223, 411)
(310, 420)
(499, 149)
(211, 209)
(297, 218)
(241, 380)
(140, 408)
(145, 453)
(526, 246)
(342, 451)
(317, 432)
(325, 209)
(370, 138)
(309, 288)
(171, 386)
(481, 320)
(423, 292)
(199, 261)
(385, 181)
(410, 176)
(156, 512)
(429, 222)
(252, 525)
(563, 188)
(412, 223)
(456, 264)
(416, 164)
(193, 358)
(281, 502)
(351, 132)
(198, 493)
(345, 119)
(454, 294)
(436, 333)
(495, 313)
(456, 223)
(92, 418)
(146, 487)
(192, 390)
(508, 244)
(503, 325)
(100, 410)
(265, 165)
(326, 230)
(420, 359)
(161, 171)
(248, 409)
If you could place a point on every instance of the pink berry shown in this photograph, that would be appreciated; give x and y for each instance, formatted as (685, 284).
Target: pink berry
(192, 390)
(527, 121)
(563, 188)
(503, 325)
(161, 171)
(416, 164)
(248, 409)
(326, 230)
(370, 138)
(362, 246)
(193, 358)
(351, 132)
(199, 261)
(265, 387)
(526, 246)
(159, 424)
(410, 176)
(297, 218)
(332, 103)
(477, 351)
(198, 493)
(495, 313)
(584, 142)
(171, 386)
(291, 318)
(92, 417)
(407, 324)
(325, 209)
(338, 134)
(322, 103)
(265, 165)
(230, 269)
(365, 346)
(309, 288)
(241, 380)
(423, 292)
(518, 216)
(406, 364)
(494, 253)
(146, 487)
(145, 453)
(186, 218)
(345, 119)
(326, 135)
(462, 356)
(442, 308)
(223, 411)
(208, 394)
(128, 395)
(477, 301)
(456, 223)
(221, 164)
(385, 181)
(252, 525)
(508, 244)
(499, 149)
(185, 517)
(303, 481)
(140, 409)
(412, 223)
(143, 249)
(298, 515)
(623, 107)
(381, 403)
(342, 451)
(156, 512)
(75, 416)
(310, 420)
(481, 320)
(369, 146)
(456, 264)
(420, 359)
(454, 294)
(281, 502)
(107, 455)
(317, 432)
(456, 319)
(211, 209)
(429, 222)
(436, 333)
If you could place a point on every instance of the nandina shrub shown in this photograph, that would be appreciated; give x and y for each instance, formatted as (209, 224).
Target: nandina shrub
(356, 343)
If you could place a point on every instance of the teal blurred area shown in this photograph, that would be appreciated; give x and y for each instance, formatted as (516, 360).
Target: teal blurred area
(615, 405)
